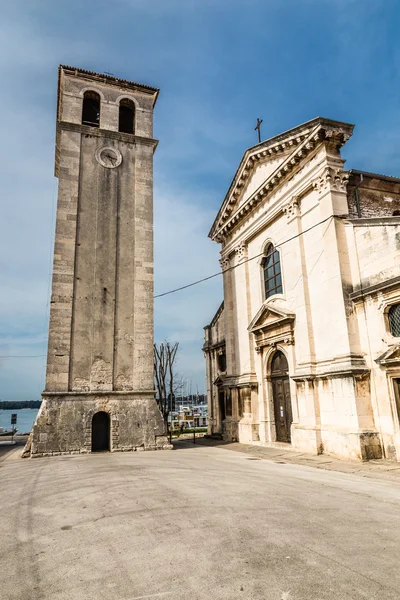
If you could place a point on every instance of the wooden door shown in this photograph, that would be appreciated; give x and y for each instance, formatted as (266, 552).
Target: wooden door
(396, 383)
(281, 397)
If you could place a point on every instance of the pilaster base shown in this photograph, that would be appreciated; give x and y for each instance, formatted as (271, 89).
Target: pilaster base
(248, 431)
(357, 445)
(230, 431)
(245, 429)
(306, 439)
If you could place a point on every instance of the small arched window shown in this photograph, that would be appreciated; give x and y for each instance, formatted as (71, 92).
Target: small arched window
(222, 361)
(394, 320)
(91, 109)
(272, 272)
(126, 122)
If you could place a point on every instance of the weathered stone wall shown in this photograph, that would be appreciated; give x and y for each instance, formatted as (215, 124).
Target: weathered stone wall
(214, 346)
(377, 197)
(377, 287)
(377, 243)
(64, 423)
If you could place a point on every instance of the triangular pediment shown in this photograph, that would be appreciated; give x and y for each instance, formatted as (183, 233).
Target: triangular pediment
(259, 175)
(270, 315)
(390, 357)
(269, 164)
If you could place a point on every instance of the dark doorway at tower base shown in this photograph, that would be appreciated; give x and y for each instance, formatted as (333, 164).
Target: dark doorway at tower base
(101, 432)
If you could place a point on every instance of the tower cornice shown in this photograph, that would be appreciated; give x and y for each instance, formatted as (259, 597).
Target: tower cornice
(128, 138)
(108, 79)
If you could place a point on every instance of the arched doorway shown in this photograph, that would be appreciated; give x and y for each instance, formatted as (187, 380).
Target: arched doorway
(281, 396)
(100, 432)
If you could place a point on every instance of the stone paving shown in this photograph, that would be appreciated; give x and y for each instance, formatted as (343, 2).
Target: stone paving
(203, 522)
(282, 453)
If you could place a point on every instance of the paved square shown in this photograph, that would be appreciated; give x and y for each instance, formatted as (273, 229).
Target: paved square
(194, 523)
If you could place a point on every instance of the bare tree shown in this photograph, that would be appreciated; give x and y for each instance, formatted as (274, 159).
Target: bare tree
(164, 375)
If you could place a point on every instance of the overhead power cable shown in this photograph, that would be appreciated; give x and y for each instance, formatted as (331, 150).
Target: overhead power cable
(183, 287)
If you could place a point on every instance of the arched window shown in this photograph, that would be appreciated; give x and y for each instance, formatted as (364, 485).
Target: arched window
(91, 109)
(394, 320)
(126, 116)
(396, 213)
(272, 272)
(222, 361)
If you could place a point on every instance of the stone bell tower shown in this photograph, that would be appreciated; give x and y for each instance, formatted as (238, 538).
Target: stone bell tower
(99, 384)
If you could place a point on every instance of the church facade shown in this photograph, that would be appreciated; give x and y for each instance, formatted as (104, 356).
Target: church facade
(99, 391)
(305, 348)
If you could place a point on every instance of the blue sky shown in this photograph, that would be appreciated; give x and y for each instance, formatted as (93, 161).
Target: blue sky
(220, 64)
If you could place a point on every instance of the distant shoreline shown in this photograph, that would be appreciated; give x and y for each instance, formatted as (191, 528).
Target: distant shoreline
(17, 408)
(20, 405)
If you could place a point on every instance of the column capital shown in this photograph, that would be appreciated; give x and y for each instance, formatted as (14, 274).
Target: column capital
(241, 251)
(225, 263)
(292, 208)
(333, 179)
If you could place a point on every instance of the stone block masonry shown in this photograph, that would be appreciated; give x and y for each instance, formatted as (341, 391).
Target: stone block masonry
(100, 352)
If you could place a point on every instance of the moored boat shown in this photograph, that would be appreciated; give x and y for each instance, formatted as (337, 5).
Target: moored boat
(4, 432)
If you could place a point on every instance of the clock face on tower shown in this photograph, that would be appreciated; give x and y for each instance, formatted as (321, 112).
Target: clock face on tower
(109, 157)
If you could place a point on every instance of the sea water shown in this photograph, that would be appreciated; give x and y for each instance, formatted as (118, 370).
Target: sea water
(25, 418)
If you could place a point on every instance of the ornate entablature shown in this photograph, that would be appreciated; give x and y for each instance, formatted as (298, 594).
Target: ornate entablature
(294, 147)
(335, 179)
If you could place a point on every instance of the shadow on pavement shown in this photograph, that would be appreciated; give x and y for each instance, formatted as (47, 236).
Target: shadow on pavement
(7, 445)
(187, 442)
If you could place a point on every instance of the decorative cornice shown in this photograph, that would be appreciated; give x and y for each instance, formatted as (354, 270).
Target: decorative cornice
(216, 316)
(220, 346)
(128, 138)
(360, 293)
(109, 79)
(241, 381)
(390, 358)
(348, 365)
(351, 372)
(296, 146)
(334, 179)
(285, 338)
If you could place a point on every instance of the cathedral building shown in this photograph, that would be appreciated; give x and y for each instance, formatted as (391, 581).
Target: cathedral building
(304, 351)
(99, 391)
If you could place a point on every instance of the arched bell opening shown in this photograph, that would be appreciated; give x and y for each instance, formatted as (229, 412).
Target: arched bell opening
(91, 109)
(126, 122)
